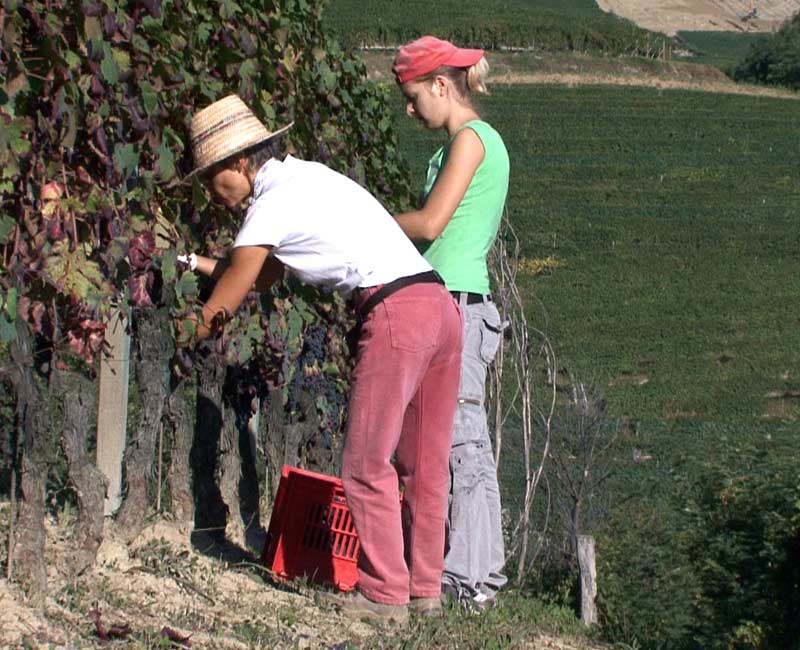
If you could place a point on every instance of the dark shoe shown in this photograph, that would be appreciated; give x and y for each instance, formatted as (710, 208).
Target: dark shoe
(356, 605)
(430, 607)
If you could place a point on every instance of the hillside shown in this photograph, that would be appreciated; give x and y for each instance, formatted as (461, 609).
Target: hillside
(704, 15)
(552, 68)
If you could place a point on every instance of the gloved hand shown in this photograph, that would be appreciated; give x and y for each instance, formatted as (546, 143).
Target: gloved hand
(190, 260)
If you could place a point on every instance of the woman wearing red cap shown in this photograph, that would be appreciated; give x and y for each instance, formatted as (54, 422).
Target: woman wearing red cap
(461, 207)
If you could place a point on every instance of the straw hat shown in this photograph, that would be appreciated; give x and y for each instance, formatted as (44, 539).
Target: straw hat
(223, 129)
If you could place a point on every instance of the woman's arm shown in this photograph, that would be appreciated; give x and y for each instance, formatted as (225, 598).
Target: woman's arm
(211, 266)
(270, 273)
(236, 280)
(427, 223)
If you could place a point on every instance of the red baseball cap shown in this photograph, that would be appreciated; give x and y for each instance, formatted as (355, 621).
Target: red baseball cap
(428, 53)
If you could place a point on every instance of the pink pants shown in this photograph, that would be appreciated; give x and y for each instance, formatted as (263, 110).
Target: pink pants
(403, 398)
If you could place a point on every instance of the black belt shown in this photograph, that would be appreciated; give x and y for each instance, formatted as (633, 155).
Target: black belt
(395, 285)
(384, 292)
(472, 298)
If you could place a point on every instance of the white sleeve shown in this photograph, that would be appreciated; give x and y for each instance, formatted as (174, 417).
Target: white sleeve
(265, 225)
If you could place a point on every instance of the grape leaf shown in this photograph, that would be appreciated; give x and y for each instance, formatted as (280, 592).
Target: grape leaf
(187, 285)
(6, 228)
(166, 162)
(8, 331)
(10, 306)
(110, 69)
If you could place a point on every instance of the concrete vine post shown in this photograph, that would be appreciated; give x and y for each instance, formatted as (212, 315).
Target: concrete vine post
(588, 571)
(112, 413)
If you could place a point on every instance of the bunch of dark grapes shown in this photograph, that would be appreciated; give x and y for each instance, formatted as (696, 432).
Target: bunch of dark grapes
(309, 378)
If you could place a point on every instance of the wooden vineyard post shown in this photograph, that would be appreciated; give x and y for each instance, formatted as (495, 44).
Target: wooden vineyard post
(112, 411)
(588, 570)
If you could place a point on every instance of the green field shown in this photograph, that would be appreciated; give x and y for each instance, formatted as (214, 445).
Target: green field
(675, 215)
(721, 49)
(575, 25)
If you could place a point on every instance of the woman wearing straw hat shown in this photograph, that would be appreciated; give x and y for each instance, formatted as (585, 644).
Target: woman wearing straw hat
(330, 232)
(462, 204)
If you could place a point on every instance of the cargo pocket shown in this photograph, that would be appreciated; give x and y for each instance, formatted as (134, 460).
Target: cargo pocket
(465, 476)
(491, 333)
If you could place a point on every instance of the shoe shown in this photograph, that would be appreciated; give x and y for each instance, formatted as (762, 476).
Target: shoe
(356, 605)
(471, 602)
(429, 607)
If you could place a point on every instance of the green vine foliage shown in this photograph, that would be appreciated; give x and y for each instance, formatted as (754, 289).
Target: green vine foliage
(95, 103)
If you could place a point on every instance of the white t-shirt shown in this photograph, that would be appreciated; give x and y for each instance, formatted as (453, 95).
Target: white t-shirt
(326, 228)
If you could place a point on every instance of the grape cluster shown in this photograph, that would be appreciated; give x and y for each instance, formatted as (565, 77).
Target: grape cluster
(309, 378)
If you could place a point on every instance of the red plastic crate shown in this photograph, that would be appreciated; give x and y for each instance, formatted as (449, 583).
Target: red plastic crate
(311, 532)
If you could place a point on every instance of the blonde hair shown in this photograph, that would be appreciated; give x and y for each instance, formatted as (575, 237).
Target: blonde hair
(466, 80)
(476, 76)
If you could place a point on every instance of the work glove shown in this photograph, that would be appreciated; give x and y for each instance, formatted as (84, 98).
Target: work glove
(189, 260)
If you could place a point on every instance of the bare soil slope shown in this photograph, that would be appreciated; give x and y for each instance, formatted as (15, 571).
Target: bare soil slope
(672, 16)
(161, 585)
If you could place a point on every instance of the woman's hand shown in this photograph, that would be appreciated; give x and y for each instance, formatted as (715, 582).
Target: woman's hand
(427, 223)
(236, 280)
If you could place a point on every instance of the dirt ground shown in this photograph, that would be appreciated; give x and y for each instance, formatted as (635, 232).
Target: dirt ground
(671, 16)
(166, 579)
(162, 580)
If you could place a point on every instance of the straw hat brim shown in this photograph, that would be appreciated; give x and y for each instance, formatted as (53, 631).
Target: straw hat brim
(249, 145)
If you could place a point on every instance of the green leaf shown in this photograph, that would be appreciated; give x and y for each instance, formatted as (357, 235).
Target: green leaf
(11, 303)
(169, 265)
(121, 58)
(126, 158)
(149, 97)
(8, 332)
(187, 285)
(248, 69)
(92, 28)
(109, 68)
(71, 272)
(53, 22)
(20, 145)
(140, 44)
(72, 60)
(166, 162)
(295, 323)
(6, 228)
(245, 351)
(229, 9)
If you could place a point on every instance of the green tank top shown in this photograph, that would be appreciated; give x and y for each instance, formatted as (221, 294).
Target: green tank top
(459, 253)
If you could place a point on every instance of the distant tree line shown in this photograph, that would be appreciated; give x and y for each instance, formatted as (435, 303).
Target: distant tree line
(775, 60)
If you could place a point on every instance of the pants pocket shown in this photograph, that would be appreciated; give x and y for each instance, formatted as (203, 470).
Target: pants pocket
(465, 478)
(414, 325)
(491, 333)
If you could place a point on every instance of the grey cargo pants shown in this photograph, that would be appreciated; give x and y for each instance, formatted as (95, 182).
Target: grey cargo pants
(474, 550)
